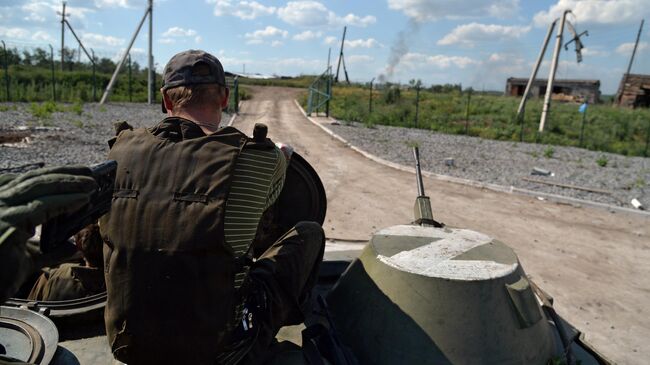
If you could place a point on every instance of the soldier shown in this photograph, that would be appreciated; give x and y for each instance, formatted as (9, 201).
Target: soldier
(73, 280)
(183, 285)
(26, 201)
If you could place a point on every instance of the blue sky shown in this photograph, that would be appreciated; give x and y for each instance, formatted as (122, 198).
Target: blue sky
(478, 43)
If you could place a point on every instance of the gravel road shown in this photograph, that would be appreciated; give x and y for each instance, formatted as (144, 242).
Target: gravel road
(67, 137)
(507, 163)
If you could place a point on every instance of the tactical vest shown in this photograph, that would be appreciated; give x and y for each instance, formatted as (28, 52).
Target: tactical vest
(169, 272)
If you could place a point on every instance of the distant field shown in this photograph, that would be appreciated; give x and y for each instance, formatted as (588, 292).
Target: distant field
(607, 128)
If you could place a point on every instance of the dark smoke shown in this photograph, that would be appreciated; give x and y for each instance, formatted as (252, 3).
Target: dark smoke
(399, 49)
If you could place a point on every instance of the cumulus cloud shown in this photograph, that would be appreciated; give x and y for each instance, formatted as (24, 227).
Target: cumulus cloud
(596, 12)
(262, 35)
(362, 43)
(307, 35)
(14, 32)
(470, 34)
(179, 32)
(112, 3)
(432, 10)
(313, 14)
(241, 9)
(42, 36)
(100, 40)
(417, 60)
(353, 59)
(626, 48)
(329, 40)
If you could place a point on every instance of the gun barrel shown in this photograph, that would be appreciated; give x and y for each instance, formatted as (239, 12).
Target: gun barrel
(418, 171)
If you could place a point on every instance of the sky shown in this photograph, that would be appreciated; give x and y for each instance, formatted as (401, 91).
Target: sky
(477, 43)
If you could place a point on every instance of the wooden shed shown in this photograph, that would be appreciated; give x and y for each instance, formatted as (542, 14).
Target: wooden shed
(563, 89)
(634, 91)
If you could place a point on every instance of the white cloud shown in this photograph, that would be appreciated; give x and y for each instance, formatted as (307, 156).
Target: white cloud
(626, 48)
(313, 14)
(418, 60)
(42, 36)
(17, 33)
(179, 32)
(594, 52)
(198, 39)
(330, 40)
(307, 35)
(166, 40)
(112, 3)
(359, 59)
(99, 40)
(261, 35)
(363, 43)
(596, 12)
(470, 34)
(242, 9)
(431, 10)
(276, 43)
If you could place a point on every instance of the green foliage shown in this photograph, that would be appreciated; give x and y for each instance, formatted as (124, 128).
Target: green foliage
(77, 108)
(44, 110)
(602, 161)
(609, 129)
(549, 151)
(77, 123)
(244, 93)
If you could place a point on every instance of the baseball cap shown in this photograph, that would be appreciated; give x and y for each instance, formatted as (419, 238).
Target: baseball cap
(179, 70)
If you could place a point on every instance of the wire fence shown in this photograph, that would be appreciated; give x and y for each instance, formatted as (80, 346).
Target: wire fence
(34, 72)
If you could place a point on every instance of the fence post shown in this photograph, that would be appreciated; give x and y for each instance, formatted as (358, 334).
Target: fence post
(647, 140)
(236, 94)
(52, 72)
(370, 98)
(6, 66)
(582, 127)
(469, 97)
(130, 88)
(94, 78)
(417, 104)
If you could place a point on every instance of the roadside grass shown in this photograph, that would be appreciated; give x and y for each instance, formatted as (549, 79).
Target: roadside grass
(608, 128)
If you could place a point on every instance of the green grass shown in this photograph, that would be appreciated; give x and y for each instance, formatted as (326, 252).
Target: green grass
(608, 128)
(302, 81)
(44, 110)
(602, 161)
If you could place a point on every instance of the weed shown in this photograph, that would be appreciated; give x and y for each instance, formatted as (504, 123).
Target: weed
(640, 182)
(4, 108)
(602, 161)
(534, 154)
(102, 109)
(44, 110)
(549, 152)
(411, 144)
(77, 108)
(77, 123)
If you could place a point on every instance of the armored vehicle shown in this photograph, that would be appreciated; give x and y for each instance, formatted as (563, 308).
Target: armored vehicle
(419, 293)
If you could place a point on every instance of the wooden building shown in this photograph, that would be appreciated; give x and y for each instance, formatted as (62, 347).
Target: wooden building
(567, 90)
(634, 91)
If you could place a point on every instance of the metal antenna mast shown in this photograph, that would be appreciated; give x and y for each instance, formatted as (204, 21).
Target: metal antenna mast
(152, 72)
(629, 66)
(576, 39)
(341, 60)
(111, 83)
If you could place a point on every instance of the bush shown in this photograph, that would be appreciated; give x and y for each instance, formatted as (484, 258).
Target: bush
(549, 151)
(602, 161)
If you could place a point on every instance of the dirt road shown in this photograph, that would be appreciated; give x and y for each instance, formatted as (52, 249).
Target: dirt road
(596, 264)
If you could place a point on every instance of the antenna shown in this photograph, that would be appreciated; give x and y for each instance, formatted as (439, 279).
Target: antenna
(576, 39)
(342, 60)
(422, 209)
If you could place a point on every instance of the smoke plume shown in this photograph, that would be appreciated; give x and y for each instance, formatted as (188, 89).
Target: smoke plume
(398, 49)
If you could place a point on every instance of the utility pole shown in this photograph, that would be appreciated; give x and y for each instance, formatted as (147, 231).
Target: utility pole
(551, 75)
(150, 80)
(629, 66)
(341, 60)
(62, 36)
(111, 83)
(533, 75)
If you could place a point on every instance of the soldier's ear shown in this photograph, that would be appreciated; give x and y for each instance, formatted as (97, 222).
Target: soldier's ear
(226, 95)
(167, 104)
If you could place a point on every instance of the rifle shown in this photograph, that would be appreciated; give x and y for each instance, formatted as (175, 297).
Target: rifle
(58, 230)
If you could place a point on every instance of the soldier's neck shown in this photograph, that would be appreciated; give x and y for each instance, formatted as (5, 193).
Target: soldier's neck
(207, 120)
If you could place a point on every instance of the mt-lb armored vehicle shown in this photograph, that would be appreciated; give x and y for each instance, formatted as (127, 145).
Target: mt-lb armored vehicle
(419, 293)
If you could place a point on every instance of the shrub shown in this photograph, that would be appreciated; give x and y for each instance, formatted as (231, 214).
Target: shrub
(602, 161)
(549, 151)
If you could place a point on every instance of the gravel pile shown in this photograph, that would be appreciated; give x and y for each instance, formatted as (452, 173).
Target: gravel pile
(67, 137)
(618, 179)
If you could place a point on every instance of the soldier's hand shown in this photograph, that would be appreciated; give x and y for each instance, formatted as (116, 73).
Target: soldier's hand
(28, 200)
